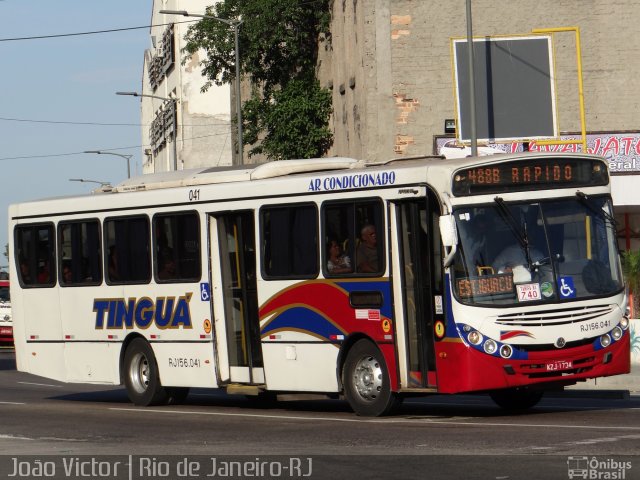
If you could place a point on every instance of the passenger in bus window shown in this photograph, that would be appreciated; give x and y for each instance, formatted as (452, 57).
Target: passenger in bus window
(367, 251)
(113, 264)
(25, 274)
(337, 260)
(67, 275)
(167, 267)
(44, 274)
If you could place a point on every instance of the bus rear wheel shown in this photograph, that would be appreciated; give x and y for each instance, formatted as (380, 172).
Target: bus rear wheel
(366, 381)
(141, 376)
(515, 399)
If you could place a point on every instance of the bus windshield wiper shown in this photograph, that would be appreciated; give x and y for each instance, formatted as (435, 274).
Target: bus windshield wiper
(520, 234)
(586, 201)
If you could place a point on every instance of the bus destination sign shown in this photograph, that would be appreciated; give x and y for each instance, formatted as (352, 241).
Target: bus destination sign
(485, 285)
(529, 175)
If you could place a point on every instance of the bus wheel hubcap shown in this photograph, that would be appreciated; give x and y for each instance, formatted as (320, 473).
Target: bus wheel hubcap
(368, 378)
(140, 373)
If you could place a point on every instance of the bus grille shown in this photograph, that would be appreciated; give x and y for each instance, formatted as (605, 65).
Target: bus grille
(555, 317)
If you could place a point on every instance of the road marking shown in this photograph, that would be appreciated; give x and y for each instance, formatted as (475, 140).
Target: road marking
(412, 421)
(40, 384)
(14, 437)
(592, 441)
(12, 403)
(249, 415)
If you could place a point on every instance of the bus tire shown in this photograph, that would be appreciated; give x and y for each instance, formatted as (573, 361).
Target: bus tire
(365, 378)
(141, 376)
(516, 399)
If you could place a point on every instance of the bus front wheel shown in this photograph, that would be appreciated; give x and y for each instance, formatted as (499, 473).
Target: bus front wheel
(515, 399)
(141, 376)
(366, 381)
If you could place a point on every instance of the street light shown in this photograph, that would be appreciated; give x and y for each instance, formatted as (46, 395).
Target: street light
(175, 127)
(235, 25)
(127, 157)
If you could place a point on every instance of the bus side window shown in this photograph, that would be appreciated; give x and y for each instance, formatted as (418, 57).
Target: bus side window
(128, 248)
(176, 247)
(34, 252)
(290, 241)
(358, 228)
(80, 253)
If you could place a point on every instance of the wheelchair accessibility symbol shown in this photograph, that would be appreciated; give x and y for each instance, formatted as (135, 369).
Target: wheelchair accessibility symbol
(566, 287)
(205, 292)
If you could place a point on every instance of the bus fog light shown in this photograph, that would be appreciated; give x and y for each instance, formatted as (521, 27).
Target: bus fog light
(624, 323)
(490, 347)
(506, 351)
(475, 338)
(616, 333)
(466, 328)
(605, 340)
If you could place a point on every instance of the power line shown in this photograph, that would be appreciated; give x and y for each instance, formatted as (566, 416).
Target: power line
(27, 120)
(61, 122)
(52, 155)
(94, 32)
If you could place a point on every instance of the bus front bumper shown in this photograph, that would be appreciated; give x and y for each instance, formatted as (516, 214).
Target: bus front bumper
(465, 369)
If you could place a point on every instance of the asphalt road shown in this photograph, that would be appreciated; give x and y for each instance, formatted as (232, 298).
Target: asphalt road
(434, 437)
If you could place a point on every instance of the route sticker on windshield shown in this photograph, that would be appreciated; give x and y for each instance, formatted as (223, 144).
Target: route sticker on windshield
(547, 289)
(529, 292)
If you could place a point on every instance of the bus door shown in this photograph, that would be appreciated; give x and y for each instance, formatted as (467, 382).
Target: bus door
(235, 299)
(417, 288)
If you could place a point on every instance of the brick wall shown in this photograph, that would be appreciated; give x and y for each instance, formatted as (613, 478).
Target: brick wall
(398, 54)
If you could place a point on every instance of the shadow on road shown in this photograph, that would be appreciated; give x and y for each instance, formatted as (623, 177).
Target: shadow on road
(7, 359)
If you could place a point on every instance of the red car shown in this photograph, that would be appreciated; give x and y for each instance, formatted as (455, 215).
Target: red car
(6, 325)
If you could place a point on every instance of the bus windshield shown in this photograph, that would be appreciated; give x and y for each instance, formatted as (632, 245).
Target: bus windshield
(552, 251)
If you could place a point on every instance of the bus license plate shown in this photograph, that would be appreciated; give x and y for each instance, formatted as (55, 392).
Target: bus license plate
(559, 365)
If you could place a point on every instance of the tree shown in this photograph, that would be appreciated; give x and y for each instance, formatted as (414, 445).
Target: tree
(288, 113)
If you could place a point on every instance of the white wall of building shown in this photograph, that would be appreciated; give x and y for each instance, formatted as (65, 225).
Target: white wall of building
(203, 119)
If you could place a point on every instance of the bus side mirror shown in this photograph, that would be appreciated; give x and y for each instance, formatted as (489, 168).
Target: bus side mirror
(449, 236)
(448, 231)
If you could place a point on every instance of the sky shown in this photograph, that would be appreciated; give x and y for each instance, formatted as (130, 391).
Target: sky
(57, 94)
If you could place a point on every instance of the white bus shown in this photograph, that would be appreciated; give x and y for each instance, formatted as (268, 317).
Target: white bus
(328, 275)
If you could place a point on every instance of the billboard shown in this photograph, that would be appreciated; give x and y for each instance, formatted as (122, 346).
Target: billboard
(514, 88)
(621, 149)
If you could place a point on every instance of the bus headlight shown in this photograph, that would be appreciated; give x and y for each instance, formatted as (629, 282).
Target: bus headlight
(490, 347)
(624, 323)
(506, 351)
(616, 333)
(605, 340)
(475, 338)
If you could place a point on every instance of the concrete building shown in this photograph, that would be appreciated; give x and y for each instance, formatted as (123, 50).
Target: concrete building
(182, 127)
(389, 67)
